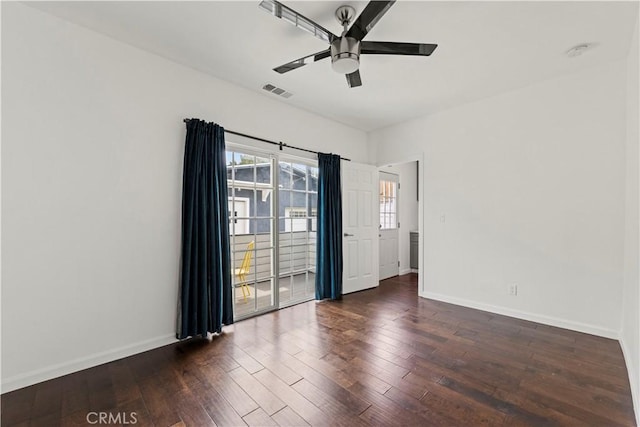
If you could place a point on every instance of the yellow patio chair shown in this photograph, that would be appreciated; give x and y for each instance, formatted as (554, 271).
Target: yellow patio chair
(242, 272)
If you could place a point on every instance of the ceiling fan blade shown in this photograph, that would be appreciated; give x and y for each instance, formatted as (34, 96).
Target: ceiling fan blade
(368, 18)
(394, 48)
(281, 11)
(353, 79)
(289, 66)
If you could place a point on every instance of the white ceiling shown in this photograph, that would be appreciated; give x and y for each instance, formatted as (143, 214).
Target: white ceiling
(484, 48)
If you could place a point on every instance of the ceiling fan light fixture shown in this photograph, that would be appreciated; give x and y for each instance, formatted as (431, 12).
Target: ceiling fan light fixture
(345, 65)
(345, 55)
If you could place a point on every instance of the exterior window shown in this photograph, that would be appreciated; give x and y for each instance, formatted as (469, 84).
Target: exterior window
(298, 187)
(299, 220)
(388, 204)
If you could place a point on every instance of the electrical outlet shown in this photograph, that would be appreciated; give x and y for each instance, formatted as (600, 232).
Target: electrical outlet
(513, 289)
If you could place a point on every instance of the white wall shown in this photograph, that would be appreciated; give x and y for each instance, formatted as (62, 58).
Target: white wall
(92, 146)
(531, 186)
(630, 335)
(408, 208)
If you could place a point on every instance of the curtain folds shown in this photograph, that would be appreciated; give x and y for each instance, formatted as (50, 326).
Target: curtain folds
(329, 235)
(205, 302)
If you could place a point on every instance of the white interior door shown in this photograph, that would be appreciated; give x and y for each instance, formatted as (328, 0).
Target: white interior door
(359, 226)
(388, 235)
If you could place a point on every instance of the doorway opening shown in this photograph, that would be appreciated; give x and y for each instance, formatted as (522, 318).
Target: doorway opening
(388, 234)
(399, 219)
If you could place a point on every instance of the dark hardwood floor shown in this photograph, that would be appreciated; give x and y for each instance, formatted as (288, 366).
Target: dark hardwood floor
(379, 357)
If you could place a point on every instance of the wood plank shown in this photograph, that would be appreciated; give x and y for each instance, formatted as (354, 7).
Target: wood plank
(333, 408)
(353, 403)
(250, 364)
(307, 410)
(461, 408)
(267, 400)
(384, 411)
(287, 417)
(259, 418)
(191, 412)
(159, 402)
(220, 381)
(276, 366)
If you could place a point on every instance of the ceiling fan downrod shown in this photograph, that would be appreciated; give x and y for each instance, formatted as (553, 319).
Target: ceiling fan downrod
(345, 51)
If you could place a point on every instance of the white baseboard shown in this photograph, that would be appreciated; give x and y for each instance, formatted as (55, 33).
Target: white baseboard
(524, 315)
(58, 370)
(633, 379)
(404, 271)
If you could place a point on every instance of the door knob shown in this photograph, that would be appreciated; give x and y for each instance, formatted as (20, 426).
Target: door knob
(348, 235)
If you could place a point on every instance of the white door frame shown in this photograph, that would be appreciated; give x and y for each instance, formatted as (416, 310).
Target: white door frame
(417, 157)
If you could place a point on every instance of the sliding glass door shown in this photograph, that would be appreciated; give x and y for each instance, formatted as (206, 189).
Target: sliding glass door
(297, 200)
(268, 256)
(251, 197)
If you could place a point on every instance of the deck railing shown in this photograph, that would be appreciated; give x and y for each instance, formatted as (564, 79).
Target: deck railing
(297, 253)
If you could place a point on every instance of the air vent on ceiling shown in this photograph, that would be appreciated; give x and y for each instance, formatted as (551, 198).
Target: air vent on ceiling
(277, 90)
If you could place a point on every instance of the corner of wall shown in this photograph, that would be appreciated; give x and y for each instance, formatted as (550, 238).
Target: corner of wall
(630, 329)
(633, 382)
(372, 149)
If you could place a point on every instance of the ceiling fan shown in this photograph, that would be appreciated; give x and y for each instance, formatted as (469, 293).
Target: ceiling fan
(345, 50)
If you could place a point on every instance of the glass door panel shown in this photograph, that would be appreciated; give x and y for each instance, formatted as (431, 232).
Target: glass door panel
(251, 225)
(297, 195)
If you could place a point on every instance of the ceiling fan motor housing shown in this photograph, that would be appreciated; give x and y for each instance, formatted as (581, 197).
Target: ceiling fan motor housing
(345, 55)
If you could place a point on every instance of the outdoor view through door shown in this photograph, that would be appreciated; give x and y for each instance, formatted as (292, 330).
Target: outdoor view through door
(262, 259)
(298, 196)
(389, 265)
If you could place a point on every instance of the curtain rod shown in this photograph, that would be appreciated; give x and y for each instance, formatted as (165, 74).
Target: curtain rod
(279, 144)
